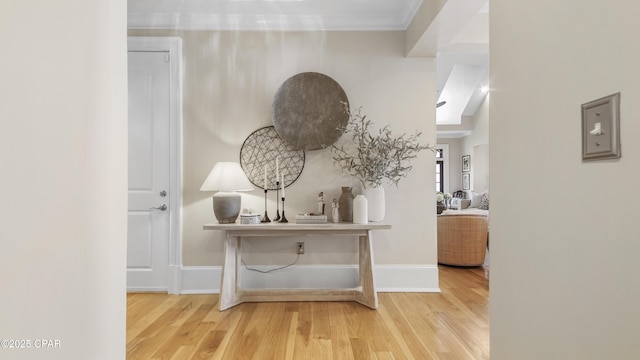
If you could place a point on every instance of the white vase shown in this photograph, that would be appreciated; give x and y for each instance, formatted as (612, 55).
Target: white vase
(375, 198)
(360, 210)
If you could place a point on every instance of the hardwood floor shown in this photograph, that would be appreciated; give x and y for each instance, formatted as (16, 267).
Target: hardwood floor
(453, 324)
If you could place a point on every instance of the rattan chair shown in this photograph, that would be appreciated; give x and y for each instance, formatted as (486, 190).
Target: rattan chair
(462, 239)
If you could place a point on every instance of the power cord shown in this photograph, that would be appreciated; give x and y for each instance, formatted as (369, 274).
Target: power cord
(270, 270)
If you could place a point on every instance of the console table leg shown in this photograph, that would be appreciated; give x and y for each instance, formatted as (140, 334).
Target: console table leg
(229, 295)
(369, 295)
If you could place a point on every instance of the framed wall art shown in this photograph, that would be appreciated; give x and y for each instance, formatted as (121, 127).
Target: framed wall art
(466, 163)
(466, 181)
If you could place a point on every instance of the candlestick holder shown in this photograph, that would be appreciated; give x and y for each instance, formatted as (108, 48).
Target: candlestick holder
(283, 219)
(277, 218)
(265, 217)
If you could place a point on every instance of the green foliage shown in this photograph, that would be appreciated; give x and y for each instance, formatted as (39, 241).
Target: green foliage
(374, 157)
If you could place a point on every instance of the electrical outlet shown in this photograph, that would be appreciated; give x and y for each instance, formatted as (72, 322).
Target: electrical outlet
(300, 248)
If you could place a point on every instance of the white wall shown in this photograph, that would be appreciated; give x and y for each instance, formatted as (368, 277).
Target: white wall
(476, 145)
(63, 155)
(564, 264)
(230, 81)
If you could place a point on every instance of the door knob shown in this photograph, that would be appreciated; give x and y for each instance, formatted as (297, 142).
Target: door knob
(162, 207)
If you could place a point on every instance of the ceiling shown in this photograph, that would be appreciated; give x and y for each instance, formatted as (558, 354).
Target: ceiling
(458, 33)
(273, 14)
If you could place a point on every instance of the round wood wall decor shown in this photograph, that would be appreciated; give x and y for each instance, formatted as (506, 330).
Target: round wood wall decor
(308, 111)
(261, 149)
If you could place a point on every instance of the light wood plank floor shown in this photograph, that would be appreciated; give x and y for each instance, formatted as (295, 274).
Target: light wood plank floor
(453, 324)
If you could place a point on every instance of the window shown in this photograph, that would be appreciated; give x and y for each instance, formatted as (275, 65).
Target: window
(442, 168)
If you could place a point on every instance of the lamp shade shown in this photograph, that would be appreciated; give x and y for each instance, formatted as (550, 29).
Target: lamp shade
(226, 176)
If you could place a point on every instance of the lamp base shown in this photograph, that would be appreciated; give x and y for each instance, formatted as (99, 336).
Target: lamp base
(226, 206)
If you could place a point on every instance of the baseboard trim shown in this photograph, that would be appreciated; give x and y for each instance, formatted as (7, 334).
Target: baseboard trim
(201, 279)
(407, 278)
(147, 289)
(174, 279)
(389, 278)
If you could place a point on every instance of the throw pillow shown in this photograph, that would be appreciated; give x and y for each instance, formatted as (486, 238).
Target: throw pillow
(455, 203)
(464, 203)
(475, 199)
(484, 203)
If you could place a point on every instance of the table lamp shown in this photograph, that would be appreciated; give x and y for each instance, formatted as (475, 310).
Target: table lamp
(226, 178)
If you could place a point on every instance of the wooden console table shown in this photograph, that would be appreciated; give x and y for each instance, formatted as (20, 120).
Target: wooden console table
(231, 294)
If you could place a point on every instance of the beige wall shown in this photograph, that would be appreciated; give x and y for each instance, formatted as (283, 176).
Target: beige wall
(564, 264)
(63, 150)
(230, 81)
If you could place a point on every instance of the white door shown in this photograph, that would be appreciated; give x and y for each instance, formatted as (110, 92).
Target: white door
(149, 171)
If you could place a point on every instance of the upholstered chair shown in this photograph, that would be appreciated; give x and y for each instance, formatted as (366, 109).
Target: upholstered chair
(462, 239)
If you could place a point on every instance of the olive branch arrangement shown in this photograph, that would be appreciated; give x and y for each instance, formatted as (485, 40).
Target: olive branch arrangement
(374, 157)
